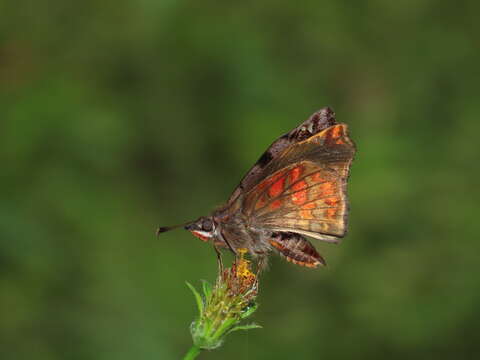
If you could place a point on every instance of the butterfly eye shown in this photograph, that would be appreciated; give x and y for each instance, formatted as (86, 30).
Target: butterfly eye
(207, 225)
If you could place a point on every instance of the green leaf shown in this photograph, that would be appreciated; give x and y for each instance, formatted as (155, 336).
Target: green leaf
(222, 330)
(249, 310)
(198, 297)
(245, 327)
(207, 290)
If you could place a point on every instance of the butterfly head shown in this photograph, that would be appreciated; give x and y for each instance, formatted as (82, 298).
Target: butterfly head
(203, 228)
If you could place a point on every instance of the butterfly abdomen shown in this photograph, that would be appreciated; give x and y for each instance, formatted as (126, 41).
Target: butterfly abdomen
(296, 249)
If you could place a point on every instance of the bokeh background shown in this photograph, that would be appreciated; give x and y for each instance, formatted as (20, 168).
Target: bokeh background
(119, 116)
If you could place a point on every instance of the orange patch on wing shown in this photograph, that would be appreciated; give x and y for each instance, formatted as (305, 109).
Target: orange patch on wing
(269, 181)
(309, 206)
(262, 185)
(275, 204)
(337, 131)
(331, 213)
(317, 177)
(295, 174)
(326, 189)
(260, 202)
(299, 197)
(331, 201)
(306, 214)
(335, 134)
(299, 185)
(277, 187)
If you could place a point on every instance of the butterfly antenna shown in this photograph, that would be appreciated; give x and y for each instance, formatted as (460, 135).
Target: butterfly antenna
(163, 229)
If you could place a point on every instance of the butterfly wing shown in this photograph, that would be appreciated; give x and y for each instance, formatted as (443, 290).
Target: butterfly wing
(305, 192)
(319, 121)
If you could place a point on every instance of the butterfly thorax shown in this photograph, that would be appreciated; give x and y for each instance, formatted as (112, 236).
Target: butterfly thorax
(234, 230)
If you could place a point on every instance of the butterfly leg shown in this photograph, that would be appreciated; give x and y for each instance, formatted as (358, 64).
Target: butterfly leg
(219, 259)
(262, 263)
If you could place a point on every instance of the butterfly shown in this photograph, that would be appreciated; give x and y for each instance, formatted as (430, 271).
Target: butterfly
(296, 189)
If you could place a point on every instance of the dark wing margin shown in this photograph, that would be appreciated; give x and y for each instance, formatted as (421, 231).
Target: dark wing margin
(330, 148)
(319, 121)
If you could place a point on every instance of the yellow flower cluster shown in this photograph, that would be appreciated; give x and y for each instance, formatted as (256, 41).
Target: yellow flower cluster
(243, 269)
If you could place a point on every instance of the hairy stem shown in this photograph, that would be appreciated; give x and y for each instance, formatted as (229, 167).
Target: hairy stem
(192, 353)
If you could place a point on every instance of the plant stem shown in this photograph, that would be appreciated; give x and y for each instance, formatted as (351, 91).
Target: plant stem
(192, 353)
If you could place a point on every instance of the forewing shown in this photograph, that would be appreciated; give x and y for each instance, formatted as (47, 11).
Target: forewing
(319, 121)
(306, 192)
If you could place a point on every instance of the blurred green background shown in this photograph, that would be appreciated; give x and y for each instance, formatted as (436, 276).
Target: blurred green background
(119, 116)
